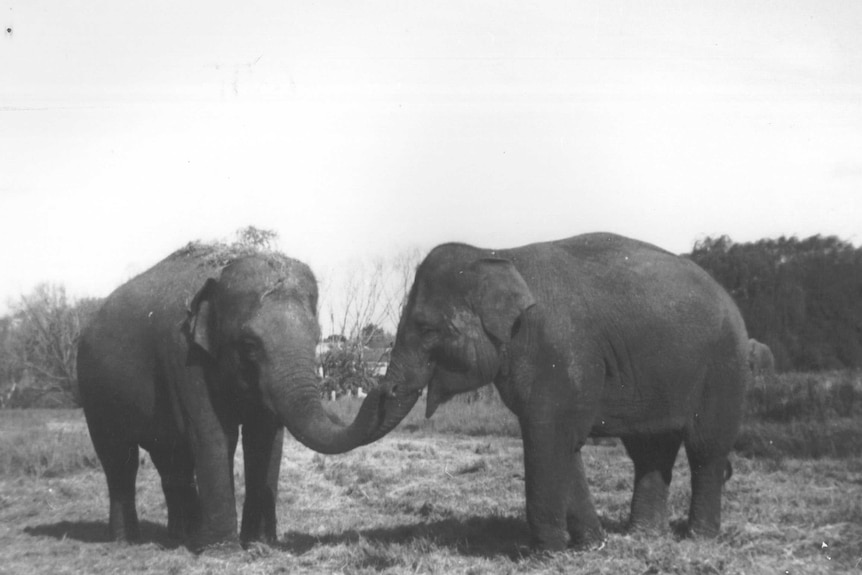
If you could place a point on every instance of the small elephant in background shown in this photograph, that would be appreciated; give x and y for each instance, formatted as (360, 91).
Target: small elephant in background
(181, 357)
(594, 335)
(760, 359)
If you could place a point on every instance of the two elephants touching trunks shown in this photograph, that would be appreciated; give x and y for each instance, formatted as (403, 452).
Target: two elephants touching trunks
(593, 335)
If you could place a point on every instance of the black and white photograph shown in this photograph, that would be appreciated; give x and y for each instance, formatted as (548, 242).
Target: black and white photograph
(431, 287)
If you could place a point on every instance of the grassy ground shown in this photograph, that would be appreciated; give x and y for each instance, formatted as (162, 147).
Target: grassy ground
(438, 496)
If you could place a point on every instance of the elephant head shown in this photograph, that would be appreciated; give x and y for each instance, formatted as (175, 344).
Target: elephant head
(760, 358)
(254, 330)
(461, 313)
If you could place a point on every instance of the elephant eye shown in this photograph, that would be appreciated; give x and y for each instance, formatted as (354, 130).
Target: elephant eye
(423, 326)
(249, 348)
(428, 333)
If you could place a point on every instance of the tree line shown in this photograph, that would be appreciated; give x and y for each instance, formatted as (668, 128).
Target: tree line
(802, 297)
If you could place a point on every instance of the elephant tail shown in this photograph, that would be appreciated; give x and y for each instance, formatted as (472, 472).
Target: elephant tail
(728, 470)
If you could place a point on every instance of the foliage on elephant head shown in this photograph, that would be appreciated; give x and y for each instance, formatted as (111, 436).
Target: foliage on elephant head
(217, 255)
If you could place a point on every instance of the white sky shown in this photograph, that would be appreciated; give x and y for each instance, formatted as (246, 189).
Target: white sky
(357, 129)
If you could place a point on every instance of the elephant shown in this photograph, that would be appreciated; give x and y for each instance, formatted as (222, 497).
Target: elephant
(595, 335)
(760, 359)
(211, 338)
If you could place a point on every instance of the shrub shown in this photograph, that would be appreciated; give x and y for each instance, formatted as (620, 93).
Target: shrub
(345, 370)
(33, 443)
(806, 396)
(840, 438)
(808, 415)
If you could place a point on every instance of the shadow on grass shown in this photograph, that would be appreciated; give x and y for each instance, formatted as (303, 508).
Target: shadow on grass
(479, 536)
(97, 532)
(486, 537)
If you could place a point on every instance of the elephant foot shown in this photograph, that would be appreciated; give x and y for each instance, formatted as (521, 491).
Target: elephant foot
(592, 541)
(266, 540)
(126, 534)
(215, 544)
(177, 531)
(703, 530)
(258, 549)
(549, 540)
(561, 542)
(123, 540)
(653, 526)
(265, 534)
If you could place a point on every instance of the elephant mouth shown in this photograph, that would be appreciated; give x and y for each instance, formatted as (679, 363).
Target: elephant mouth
(394, 391)
(393, 406)
(434, 399)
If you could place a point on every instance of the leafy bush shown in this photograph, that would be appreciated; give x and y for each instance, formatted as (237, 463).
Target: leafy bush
(346, 369)
(840, 438)
(34, 443)
(806, 397)
(807, 415)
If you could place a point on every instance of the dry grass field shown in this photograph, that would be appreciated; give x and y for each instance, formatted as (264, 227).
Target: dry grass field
(443, 496)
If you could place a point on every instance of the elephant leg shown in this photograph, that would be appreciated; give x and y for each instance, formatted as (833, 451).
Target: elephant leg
(178, 483)
(582, 521)
(213, 463)
(653, 458)
(120, 462)
(558, 503)
(708, 472)
(262, 440)
(708, 441)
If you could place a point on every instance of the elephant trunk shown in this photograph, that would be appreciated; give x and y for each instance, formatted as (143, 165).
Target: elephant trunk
(395, 409)
(398, 396)
(295, 399)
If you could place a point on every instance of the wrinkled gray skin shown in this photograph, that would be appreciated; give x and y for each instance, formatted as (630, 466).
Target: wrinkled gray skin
(593, 335)
(179, 358)
(760, 359)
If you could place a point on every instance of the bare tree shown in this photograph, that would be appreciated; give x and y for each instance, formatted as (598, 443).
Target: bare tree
(361, 294)
(54, 327)
(365, 304)
(39, 344)
(11, 368)
(402, 272)
(47, 328)
(371, 293)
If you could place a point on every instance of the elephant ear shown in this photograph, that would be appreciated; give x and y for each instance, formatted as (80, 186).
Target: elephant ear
(199, 324)
(503, 296)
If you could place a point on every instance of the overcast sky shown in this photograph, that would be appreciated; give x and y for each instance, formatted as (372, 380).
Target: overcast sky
(358, 129)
